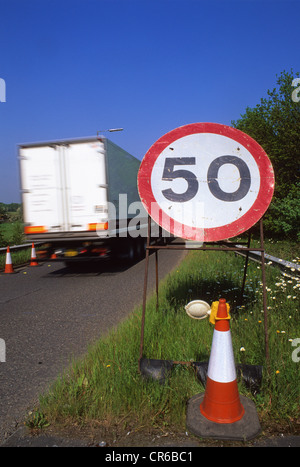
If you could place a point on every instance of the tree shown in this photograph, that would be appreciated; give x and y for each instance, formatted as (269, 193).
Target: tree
(275, 124)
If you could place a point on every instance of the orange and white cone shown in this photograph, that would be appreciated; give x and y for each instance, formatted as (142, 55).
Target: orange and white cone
(221, 402)
(33, 261)
(8, 263)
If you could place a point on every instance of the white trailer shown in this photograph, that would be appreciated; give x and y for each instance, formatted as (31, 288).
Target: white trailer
(78, 199)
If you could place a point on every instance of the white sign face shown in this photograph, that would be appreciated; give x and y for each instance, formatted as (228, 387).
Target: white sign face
(206, 182)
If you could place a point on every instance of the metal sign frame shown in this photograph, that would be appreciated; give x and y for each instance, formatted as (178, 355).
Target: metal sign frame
(160, 244)
(161, 202)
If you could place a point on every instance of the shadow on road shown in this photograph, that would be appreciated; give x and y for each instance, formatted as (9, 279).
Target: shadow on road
(95, 268)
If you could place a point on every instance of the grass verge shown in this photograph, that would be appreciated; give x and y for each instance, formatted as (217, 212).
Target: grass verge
(106, 388)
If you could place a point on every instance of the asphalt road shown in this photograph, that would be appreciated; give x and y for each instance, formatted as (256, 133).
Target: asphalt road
(50, 314)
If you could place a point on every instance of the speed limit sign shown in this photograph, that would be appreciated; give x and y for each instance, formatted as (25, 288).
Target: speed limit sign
(206, 182)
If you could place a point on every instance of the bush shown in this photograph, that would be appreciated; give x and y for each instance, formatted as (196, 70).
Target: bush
(284, 215)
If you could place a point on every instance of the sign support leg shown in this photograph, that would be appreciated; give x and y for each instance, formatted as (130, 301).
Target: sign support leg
(263, 273)
(156, 277)
(145, 290)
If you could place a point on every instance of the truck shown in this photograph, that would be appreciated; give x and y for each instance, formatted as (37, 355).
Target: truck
(80, 200)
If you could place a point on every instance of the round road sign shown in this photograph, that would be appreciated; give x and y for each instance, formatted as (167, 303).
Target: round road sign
(206, 182)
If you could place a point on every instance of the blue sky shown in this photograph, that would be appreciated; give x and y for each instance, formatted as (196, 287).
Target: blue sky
(73, 67)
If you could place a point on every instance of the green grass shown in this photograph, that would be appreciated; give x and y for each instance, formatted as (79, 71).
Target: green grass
(106, 386)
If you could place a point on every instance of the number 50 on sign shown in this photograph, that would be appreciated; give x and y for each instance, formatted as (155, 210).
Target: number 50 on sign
(206, 182)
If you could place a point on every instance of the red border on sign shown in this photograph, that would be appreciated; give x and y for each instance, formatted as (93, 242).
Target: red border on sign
(233, 229)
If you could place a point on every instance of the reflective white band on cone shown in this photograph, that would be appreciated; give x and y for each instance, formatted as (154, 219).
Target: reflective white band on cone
(8, 258)
(221, 367)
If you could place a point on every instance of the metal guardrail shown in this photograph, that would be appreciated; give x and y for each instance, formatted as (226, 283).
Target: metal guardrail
(19, 247)
(286, 267)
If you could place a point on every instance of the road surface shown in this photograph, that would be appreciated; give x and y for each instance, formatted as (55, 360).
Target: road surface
(50, 314)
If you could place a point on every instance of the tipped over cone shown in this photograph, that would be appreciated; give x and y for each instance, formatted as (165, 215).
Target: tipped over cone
(8, 263)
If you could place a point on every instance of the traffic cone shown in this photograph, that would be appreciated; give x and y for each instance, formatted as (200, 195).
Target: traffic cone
(33, 261)
(8, 263)
(220, 412)
(221, 402)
